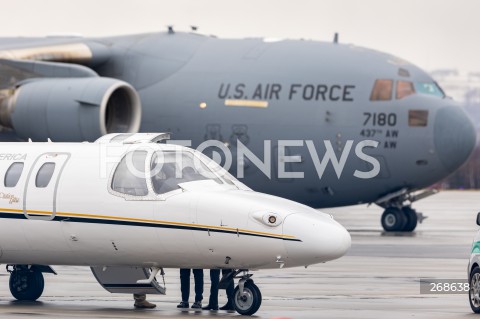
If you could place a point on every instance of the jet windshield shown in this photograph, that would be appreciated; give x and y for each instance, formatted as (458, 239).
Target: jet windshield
(431, 88)
(383, 88)
(171, 168)
(220, 171)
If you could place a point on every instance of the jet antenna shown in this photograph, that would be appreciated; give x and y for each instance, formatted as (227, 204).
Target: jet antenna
(335, 38)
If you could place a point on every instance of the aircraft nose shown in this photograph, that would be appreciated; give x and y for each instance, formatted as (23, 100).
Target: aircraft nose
(454, 136)
(338, 242)
(322, 239)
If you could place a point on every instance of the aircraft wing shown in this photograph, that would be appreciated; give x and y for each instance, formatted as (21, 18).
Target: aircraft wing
(49, 89)
(13, 72)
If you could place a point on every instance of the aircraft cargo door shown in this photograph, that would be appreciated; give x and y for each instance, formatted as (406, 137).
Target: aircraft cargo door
(39, 200)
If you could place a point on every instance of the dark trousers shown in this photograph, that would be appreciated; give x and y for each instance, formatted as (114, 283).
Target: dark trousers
(185, 284)
(215, 279)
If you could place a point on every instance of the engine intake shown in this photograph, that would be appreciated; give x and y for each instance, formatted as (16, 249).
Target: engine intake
(71, 109)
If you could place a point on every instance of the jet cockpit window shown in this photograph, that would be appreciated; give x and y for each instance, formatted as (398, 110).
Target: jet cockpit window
(418, 118)
(129, 177)
(212, 165)
(44, 175)
(430, 88)
(404, 88)
(382, 90)
(13, 174)
(168, 169)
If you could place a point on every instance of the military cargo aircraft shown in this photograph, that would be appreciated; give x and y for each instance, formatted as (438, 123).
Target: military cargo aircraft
(94, 204)
(325, 124)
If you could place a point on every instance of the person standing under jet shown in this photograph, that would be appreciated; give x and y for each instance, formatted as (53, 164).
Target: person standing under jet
(213, 300)
(185, 287)
(141, 302)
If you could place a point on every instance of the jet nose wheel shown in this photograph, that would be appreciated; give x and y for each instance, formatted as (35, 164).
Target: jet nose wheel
(26, 284)
(247, 302)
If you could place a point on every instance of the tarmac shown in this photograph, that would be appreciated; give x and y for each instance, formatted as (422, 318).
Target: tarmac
(378, 278)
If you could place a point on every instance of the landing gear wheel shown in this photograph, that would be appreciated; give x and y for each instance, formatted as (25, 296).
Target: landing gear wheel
(249, 302)
(393, 219)
(474, 291)
(26, 284)
(412, 218)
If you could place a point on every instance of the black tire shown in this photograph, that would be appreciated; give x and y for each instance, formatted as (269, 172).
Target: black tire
(393, 219)
(412, 219)
(26, 284)
(249, 304)
(474, 291)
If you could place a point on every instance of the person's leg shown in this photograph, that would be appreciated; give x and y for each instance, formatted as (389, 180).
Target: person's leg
(213, 299)
(231, 286)
(215, 278)
(230, 289)
(184, 287)
(198, 277)
(141, 302)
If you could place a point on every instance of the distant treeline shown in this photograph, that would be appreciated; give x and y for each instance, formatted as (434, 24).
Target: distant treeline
(468, 176)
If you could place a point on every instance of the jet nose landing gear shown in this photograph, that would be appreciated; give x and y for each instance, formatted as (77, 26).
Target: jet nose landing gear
(247, 298)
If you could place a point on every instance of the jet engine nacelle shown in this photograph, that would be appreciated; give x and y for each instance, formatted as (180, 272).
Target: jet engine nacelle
(71, 109)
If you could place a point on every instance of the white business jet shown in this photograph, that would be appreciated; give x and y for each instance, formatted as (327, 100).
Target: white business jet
(130, 205)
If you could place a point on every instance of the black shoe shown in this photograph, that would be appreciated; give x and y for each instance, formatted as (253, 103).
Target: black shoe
(208, 307)
(144, 305)
(182, 304)
(197, 305)
(228, 306)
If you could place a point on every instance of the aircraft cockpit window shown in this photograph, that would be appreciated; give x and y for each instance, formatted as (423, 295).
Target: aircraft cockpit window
(129, 177)
(418, 118)
(44, 175)
(227, 177)
(212, 165)
(430, 88)
(168, 169)
(13, 174)
(404, 88)
(382, 90)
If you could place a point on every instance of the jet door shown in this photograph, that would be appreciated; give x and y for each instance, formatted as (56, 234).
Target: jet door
(39, 200)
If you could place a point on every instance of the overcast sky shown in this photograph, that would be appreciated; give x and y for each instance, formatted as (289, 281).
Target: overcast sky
(430, 33)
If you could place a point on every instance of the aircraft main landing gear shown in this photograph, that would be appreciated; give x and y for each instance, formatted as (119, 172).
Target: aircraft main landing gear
(26, 283)
(398, 214)
(399, 219)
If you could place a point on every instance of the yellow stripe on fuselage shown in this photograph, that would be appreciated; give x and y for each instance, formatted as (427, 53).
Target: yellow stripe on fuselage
(151, 221)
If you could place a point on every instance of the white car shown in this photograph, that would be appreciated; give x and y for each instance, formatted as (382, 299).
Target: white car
(474, 272)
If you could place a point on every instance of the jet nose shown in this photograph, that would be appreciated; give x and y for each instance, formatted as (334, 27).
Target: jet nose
(454, 136)
(339, 241)
(321, 239)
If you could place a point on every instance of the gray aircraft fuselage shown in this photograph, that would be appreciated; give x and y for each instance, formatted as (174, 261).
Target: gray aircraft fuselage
(204, 88)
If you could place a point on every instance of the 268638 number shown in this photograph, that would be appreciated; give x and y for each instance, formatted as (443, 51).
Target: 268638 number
(443, 286)
(449, 287)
